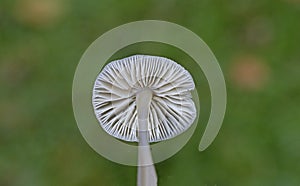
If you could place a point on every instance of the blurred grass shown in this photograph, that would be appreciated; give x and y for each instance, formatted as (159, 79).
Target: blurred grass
(41, 42)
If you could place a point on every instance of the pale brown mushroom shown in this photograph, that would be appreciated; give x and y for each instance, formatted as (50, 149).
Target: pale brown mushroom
(144, 99)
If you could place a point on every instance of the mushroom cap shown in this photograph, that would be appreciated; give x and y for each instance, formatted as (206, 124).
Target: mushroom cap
(171, 112)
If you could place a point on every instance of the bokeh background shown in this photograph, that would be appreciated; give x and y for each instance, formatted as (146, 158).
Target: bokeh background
(255, 41)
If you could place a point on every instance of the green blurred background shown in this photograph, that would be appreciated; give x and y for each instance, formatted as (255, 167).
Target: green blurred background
(256, 43)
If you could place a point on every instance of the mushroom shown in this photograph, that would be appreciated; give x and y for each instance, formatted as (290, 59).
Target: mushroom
(144, 99)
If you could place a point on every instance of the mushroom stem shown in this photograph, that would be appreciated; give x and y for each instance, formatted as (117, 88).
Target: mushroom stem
(146, 170)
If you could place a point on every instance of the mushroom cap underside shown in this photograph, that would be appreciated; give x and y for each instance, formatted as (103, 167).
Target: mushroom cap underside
(171, 111)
